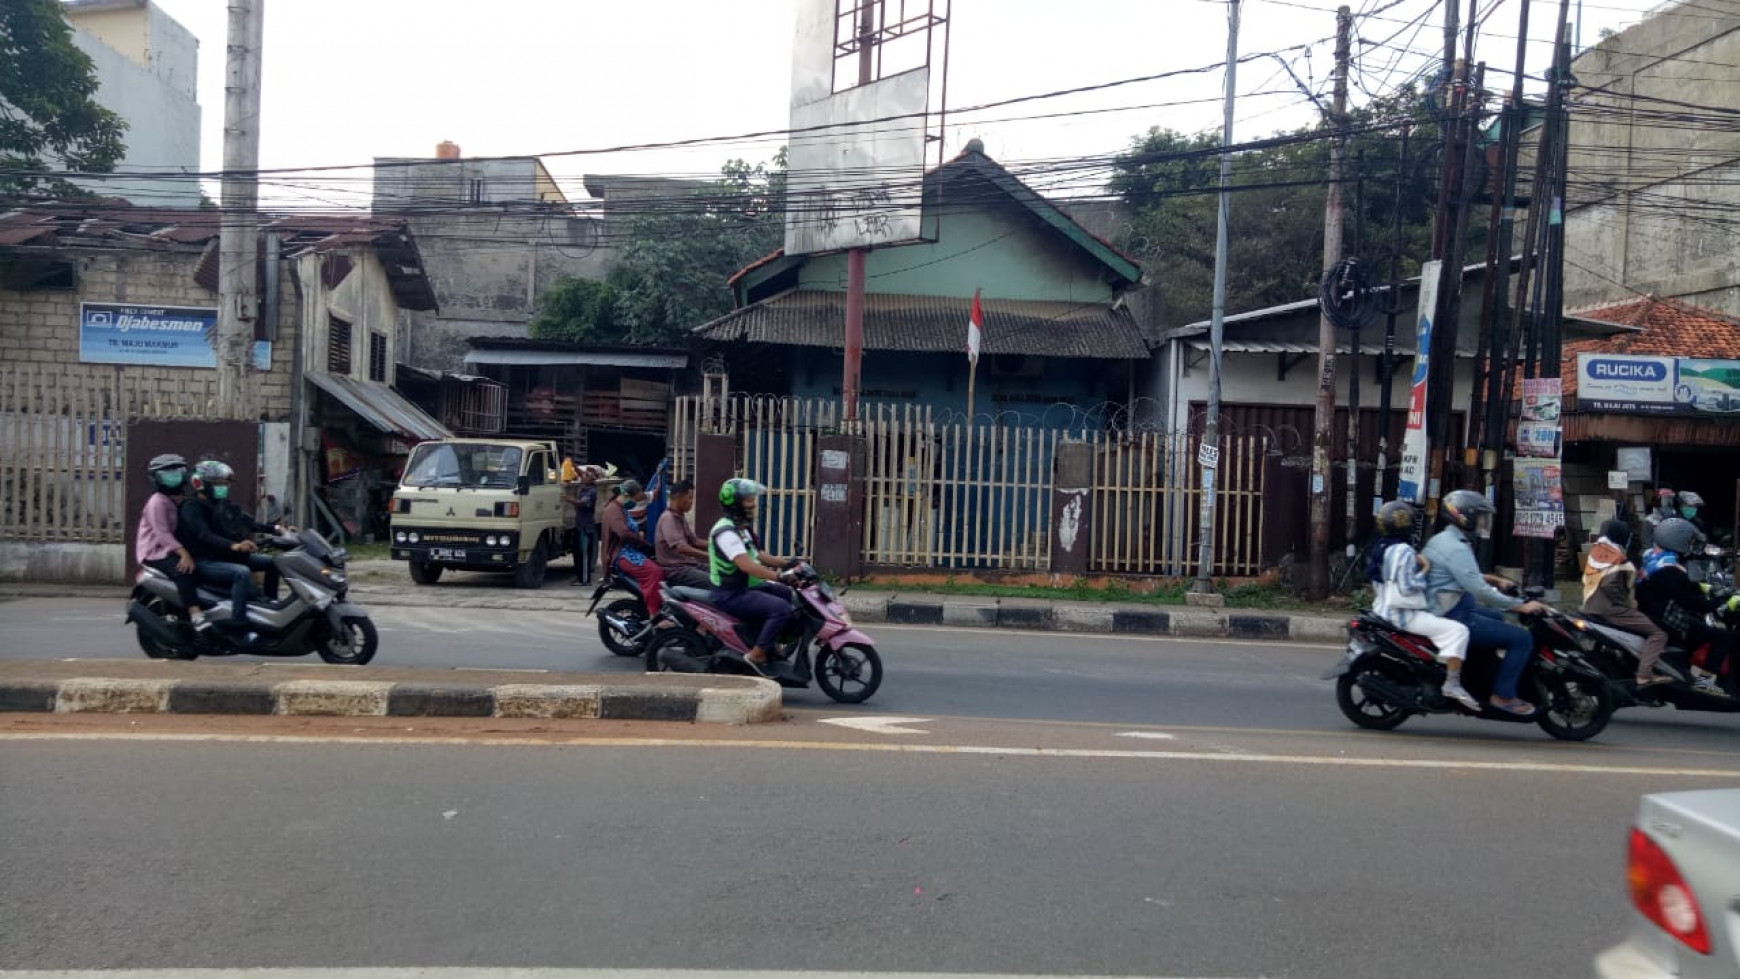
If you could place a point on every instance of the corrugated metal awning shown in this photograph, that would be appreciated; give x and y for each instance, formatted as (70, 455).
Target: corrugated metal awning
(380, 406)
(586, 358)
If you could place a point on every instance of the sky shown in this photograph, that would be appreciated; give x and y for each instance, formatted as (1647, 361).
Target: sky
(349, 80)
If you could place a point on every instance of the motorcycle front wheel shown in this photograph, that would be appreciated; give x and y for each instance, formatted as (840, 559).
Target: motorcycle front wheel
(632, 613)
(849, 674)
(1571, 707)
(354, 646)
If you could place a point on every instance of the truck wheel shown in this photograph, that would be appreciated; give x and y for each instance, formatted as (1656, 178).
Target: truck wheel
(531, 573)
(425, 572)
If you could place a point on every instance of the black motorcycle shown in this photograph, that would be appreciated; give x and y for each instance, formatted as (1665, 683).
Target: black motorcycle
(1389, 675)
(1616, 653)
(622, 624)
(316, 616)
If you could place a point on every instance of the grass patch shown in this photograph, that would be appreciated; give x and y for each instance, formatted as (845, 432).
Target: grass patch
(377, 551)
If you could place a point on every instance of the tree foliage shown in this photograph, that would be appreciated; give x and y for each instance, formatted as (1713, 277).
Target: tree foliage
(1275, 239)
(49, 116)
(577, 311)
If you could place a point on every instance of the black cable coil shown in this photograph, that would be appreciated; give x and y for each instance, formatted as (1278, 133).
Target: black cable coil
(1347, 296)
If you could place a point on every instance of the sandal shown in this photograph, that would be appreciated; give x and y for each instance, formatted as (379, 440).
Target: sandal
(1512, 705)
(1652, 681)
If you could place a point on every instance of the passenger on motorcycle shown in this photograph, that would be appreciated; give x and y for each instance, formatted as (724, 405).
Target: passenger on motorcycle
(744, 578)
(1398, 573)
(1679, 605)
(1453, 584)
(216, 531)
(626, 546)
(1609, 594)
(679, 551)
(156, 545)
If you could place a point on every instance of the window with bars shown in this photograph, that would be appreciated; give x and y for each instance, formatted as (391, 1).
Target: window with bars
(337, 346)
(377, 357)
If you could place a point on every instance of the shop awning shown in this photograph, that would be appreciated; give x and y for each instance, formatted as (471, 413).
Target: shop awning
(583, 358)
(381, 407)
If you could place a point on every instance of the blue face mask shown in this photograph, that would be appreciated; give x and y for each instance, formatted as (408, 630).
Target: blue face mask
(171, 478)
(220, 492)
(1688, 512)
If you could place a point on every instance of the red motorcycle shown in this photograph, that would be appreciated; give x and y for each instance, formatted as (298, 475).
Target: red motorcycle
(692, 636)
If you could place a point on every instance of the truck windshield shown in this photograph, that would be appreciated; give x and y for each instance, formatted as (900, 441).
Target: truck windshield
(466, 466)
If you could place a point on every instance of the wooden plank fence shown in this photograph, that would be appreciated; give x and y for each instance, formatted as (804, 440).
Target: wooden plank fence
(62, 444)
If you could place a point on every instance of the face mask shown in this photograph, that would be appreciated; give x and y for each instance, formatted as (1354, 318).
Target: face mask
(170, 479)
(1688, 512)
(220, 492)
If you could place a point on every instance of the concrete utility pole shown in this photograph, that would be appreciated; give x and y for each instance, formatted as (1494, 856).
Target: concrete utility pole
(238, 236)
(1210, 454)
(856, 257)
(1321, 477)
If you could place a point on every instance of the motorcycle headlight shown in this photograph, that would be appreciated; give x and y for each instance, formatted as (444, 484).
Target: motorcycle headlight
(414, 538)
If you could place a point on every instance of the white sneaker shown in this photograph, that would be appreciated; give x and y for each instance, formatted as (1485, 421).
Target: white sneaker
(1708, 683)
(1454, 690)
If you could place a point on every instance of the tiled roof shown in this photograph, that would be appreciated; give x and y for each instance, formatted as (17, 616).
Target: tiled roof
(1665, 328)
(936, 324)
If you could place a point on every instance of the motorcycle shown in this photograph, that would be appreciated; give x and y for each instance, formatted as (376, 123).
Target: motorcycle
(1615, 653)
(1389, 675)
(315, 617)
(622, 624)
(695, 637)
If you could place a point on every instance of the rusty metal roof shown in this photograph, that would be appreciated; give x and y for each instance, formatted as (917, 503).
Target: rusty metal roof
(380, 406)
(936, 324)
(110, 225)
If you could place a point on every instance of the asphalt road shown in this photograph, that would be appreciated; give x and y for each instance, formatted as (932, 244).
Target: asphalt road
(930, 671)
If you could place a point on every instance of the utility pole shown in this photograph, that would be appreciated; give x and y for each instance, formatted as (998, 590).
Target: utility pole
(239, 228)
(1552, 318)
(1324, 421)
(855, 257)
(1393, 304)
(1447, 248)
(1211, 426)
(1352, 516)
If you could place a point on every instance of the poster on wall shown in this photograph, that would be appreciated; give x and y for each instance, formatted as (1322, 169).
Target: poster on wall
(1627, 384)
(1537, 434)
(1540, 498)
(154, 336)
(1414, 466)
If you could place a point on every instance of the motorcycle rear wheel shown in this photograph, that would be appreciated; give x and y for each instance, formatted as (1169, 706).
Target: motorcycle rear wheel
(629, 610)
(1362, 708)
(151, 647)
(676, 642)
(849, 674)
(1571, 708)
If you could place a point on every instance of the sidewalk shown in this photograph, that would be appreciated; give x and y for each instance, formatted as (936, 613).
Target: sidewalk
(134, 686)
(387, 583)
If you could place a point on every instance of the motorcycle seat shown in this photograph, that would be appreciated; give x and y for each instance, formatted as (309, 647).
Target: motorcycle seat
(686, 593)
(1627, 640)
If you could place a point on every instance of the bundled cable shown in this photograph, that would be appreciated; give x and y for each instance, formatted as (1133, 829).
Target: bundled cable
(1347, 296)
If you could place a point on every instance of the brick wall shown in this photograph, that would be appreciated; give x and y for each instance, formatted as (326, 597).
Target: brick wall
(41, 326)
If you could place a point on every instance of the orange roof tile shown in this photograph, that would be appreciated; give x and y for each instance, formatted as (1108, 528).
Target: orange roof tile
(1665, 328)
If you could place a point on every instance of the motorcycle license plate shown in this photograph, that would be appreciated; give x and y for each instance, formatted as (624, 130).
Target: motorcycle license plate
(446, 554)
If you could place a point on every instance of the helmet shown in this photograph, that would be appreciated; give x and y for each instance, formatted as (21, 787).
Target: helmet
(207, 471)
(1465, 507)
(1690, 503)
(167, 471)
(735, 492)
(1396, 518)
(1679, 536)
(1617, 531)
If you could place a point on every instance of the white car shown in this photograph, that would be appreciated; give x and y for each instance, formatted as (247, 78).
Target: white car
(1684, 878)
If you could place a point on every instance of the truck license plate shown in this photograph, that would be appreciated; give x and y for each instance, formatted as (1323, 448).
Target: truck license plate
(446, 554)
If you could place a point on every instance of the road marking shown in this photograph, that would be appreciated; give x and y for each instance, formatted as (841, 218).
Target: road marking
(1149, 735)
(879, 725)
(1324, 761)
(1107, 637)
(485, 972)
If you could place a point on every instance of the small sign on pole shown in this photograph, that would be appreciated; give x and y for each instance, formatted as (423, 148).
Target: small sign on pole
(1617, 480)
(1208, 456)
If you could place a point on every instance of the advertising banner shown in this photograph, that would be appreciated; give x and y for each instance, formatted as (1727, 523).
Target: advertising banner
(1628, 384)
(1540, 498)
(154, 336)
(1414, 468)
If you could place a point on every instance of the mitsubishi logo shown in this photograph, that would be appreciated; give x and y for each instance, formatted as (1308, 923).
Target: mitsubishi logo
(450, 511)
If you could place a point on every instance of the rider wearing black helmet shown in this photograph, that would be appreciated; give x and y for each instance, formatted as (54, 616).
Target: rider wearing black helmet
(745, 577)
(1399, 578)
(1667, 594)
(215, 530)
(1456, 586)
(156, 545)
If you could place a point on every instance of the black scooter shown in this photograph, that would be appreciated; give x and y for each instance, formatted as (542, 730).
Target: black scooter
(1616, 653)
(315, 617)
(622, 624)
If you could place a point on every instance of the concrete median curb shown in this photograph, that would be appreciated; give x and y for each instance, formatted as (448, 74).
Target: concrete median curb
(123, 687)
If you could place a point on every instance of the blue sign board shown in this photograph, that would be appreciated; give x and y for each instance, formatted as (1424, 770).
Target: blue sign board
(154, 336)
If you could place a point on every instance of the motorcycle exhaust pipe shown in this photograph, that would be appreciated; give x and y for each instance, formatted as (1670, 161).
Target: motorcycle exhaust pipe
(153, 624)
(620, 624)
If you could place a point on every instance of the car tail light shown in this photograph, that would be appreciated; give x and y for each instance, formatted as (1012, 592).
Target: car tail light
(507, 509)
(1661, 894)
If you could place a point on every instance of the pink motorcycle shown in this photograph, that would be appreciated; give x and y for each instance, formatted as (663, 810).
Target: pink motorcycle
(695, 637)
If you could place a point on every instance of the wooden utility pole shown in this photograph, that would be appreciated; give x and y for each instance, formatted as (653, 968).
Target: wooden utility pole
(1324, 420)
(239, 230)
(1209, 455)
(856, 257)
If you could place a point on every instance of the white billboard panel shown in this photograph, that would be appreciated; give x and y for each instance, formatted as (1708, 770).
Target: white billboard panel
(812, 51)
(857, 186)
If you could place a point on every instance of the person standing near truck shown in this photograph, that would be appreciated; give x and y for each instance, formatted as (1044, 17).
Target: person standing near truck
(582, 494)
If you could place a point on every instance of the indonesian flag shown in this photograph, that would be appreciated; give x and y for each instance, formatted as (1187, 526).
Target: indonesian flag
(975, 330)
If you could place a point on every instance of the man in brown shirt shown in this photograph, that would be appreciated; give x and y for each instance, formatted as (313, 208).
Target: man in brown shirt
(679, 551)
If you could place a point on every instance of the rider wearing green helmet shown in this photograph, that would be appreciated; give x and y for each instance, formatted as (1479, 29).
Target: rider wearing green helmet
(745, 578)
